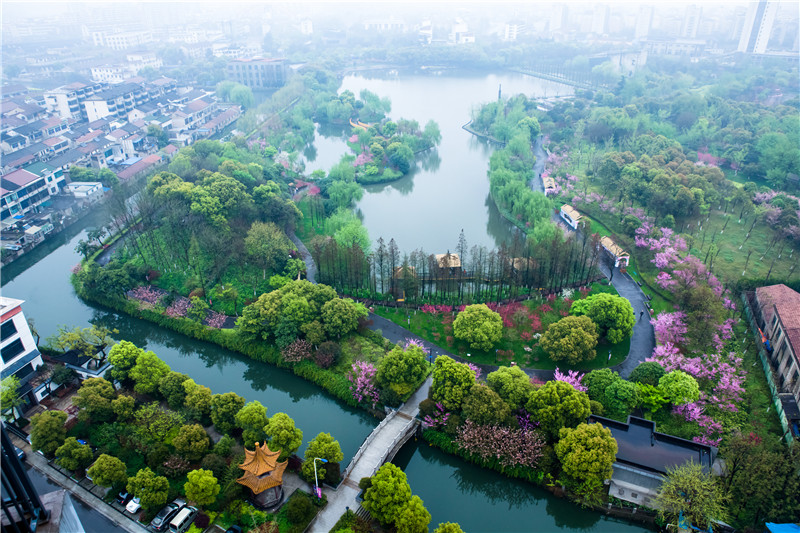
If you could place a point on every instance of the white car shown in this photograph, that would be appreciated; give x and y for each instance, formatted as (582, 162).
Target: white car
(133, 506)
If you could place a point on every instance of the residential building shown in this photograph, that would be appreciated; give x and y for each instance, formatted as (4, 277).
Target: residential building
(122, 40)
(644, 455)
(85, 191)
(66, 100)
(757, 26)
(691, 21)
(258, 73)
(382, 25)
(779, 308)
(18, 350)
(53, 176)
(23, 192)
(116, 101)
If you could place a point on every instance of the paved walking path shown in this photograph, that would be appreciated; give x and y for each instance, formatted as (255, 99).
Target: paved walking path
(305, 255)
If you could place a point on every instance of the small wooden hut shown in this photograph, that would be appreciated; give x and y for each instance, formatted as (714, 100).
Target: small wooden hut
(263, 475)
(449, 264)
(621, 257)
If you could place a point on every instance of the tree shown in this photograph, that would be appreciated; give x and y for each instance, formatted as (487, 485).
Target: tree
(512, 384)
(74, 456)
(620, 398)
(161, 137)
(597, 381)
(389, 494)
(223, 410)
(484, 406)
(153, 423)
(451, 382)
(401, 370)
(94, 398)
(243, 96)
(689, 490)
(586, 452)
(198, 399)
(340, 316)
(283, 435)
(650, 398)
(48, 431)
(108, 471)
(123, 407)
(9, 396)
(557, 405)
(191, 441)
(613, 315)
(571, 339)
(448, 527)
(479, 326)
(151, 489)
(268, 246)
(123, 358)
(201, 487)
(679, 387)
(147, 373)
(414, 518)
(172, 389)
(325, 447)
(252, 418)
(647, 373)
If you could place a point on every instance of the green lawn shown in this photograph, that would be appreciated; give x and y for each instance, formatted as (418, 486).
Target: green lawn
(438, 329)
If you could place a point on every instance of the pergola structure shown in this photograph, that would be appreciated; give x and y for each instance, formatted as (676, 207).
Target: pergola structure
(263, 475)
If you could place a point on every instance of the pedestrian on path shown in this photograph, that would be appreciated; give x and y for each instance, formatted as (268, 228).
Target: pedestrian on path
(641, 313)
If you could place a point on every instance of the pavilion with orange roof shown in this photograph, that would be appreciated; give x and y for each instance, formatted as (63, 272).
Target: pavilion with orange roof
(263, 475)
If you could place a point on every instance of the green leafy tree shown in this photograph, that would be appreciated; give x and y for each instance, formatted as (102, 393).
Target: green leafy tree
(512, 384)
(597, 381)
(620, 398)
(414, 518)
(108, 471)
(268, 246)
(283, 435)
(201, 487)
(448, 527)
(123, 407)
(586, 452)
(323, 446)
(479, 326)
(223, 410)
(48, 432)
(147, 373)
(689, 490)
(679, 387)
(191, 441)
(172, 389)
(451, 382)
(340, 316)
(198, 309)
(198, 399)
(153, 423)
(388, 495)
(650, 398)
(152, 490)
(571, 339)
(647, 373)
(401, 370)
(73, 455)
(9, 396)
(94, 399)
(123, 358)
(252, 418)
(612, 314)
(557, 405)
(485, 406)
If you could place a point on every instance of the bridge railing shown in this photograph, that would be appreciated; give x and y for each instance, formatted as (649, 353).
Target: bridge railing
(402, 436)
(366, 444)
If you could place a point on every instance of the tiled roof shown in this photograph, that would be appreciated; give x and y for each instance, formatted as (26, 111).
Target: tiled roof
(89, 136)
(52, 141)
(786, 302)
(20, 178)
(197, 105)
(139, 166)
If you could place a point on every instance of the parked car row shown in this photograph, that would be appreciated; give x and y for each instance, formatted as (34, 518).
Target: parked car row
(175, 517)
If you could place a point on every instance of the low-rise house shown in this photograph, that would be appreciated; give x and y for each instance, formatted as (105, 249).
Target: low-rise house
(86, 191)
(23, 192)
(778, 312)
(53, 176)
(448, 264)
(644, 455)
(570, 216)
(20, 356)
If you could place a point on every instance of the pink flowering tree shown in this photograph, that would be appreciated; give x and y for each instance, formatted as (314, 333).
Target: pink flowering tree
(363, 382)
(146, 295)
(438, 419)
(573, 377)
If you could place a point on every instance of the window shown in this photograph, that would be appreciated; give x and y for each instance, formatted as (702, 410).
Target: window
(8, 329)
(621, 492)
(634, 495)
(24, 371)
(12, 350)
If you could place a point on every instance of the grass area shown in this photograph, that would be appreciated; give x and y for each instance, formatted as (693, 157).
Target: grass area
(518, 343)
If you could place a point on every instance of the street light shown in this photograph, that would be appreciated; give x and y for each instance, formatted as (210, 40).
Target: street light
(316, 481)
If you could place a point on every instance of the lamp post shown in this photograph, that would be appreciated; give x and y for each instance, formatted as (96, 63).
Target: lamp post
(316, 481)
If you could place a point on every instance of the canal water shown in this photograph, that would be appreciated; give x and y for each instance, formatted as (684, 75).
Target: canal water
(449, 189)
(446, 195)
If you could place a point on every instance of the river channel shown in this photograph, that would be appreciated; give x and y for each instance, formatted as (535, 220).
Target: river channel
(448, 193)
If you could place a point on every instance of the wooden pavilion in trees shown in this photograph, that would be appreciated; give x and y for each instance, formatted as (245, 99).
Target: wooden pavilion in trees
(263, 475)
(448, 264)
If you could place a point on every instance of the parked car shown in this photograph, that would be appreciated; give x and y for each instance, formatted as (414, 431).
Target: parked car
(234, 529)
(134, 506)
(162, 519)
(20, 453)
(183, 520)
(124, 497)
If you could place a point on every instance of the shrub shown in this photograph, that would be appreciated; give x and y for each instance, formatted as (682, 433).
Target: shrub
(202, 520)
(365, 483)
(223, 447)
(216, 464)
(427, 407)
(299, 509)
